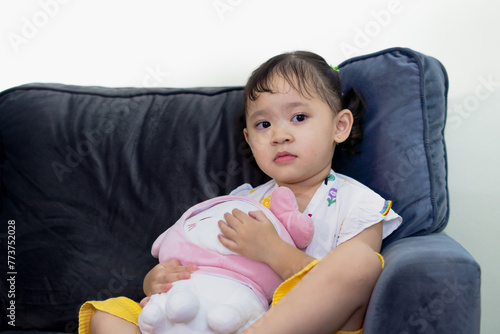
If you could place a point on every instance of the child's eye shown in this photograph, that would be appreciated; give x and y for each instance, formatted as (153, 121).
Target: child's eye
(263, 125)
(299, 118)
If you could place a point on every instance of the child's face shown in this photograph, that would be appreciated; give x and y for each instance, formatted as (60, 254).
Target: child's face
(292, 137)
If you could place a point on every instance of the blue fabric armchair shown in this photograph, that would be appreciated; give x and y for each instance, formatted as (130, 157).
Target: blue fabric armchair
(430, 283)
(90, 176)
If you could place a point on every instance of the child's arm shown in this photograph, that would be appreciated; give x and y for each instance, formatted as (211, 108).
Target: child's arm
(334, 295)
(255, 237)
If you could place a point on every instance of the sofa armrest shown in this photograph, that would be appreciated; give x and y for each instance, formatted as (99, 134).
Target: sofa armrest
(430, 284)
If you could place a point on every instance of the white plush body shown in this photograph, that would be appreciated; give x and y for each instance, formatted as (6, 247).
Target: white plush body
(202, 304)
(228, 292)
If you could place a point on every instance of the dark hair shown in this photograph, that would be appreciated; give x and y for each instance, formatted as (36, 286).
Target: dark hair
(310, 75)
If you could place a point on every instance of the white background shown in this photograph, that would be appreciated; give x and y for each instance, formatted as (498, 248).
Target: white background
(219, 42)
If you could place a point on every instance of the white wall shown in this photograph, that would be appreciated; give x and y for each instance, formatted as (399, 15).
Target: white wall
(219, 42)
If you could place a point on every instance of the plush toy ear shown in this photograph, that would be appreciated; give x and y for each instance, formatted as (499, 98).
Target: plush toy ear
(155, 250)
(299, 225)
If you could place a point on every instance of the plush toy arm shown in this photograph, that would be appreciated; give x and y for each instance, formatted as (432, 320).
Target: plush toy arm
(299, 225)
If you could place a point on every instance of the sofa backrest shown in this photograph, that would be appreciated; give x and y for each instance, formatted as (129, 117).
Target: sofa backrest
(403, 151)
(92, 175)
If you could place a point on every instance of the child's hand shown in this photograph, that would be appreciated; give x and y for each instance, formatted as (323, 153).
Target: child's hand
(161, 277)
(252, 236)
(144, 301)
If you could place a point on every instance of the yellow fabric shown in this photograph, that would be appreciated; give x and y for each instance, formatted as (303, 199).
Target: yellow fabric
(121, 307)
(359, 331)
(129, 310)
(381, 258)
(287, 285)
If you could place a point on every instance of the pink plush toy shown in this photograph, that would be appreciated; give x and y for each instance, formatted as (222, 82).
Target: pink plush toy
(228, 292)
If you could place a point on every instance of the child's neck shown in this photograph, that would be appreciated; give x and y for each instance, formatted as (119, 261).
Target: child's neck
(304, 190)
(303, 194)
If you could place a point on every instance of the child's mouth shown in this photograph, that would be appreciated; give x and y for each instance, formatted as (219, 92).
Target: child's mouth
(283, 157)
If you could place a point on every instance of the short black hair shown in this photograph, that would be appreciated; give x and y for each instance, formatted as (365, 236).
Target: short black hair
(311, 76)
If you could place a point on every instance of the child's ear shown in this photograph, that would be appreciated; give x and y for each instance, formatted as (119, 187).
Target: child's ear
(245, 133)
(343, 125)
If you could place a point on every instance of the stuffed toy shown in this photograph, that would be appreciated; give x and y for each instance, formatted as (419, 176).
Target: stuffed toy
(228, 292)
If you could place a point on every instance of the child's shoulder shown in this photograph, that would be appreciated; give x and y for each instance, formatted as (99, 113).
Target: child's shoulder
(353, 193)
(257, 193)
(348, 184)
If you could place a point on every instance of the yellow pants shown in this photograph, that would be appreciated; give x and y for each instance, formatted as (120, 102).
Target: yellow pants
(121, 307)
(126, 309)
(129, 310)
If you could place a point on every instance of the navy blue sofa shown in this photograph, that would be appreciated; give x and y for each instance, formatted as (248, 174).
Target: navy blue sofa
(91, 175)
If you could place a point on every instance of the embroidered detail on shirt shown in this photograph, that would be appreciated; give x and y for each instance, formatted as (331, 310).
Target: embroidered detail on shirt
(386, 208)
(332, 196)
(266, 201)
(330, 177)
(251, 191)
(191, 226)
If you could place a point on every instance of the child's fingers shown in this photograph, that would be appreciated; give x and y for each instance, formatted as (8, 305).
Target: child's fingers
(227, 229)
(144, 301)
(240, 216)
(258, 215)
(171, 263)
(234, 219)
(160, 288)
(174, 265)
(172, 274)
(161, 277)
(229, 244)
(228, 236)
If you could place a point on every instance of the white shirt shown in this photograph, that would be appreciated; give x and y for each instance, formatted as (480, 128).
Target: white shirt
(341, 208)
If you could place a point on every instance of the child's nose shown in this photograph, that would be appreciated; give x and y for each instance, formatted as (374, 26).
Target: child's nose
(281, 135)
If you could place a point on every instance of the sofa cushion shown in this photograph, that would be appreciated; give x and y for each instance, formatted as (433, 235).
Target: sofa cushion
(403, 153)
(93, 175)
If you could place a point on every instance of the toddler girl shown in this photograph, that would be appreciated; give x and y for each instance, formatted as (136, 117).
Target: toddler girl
(296, 116)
